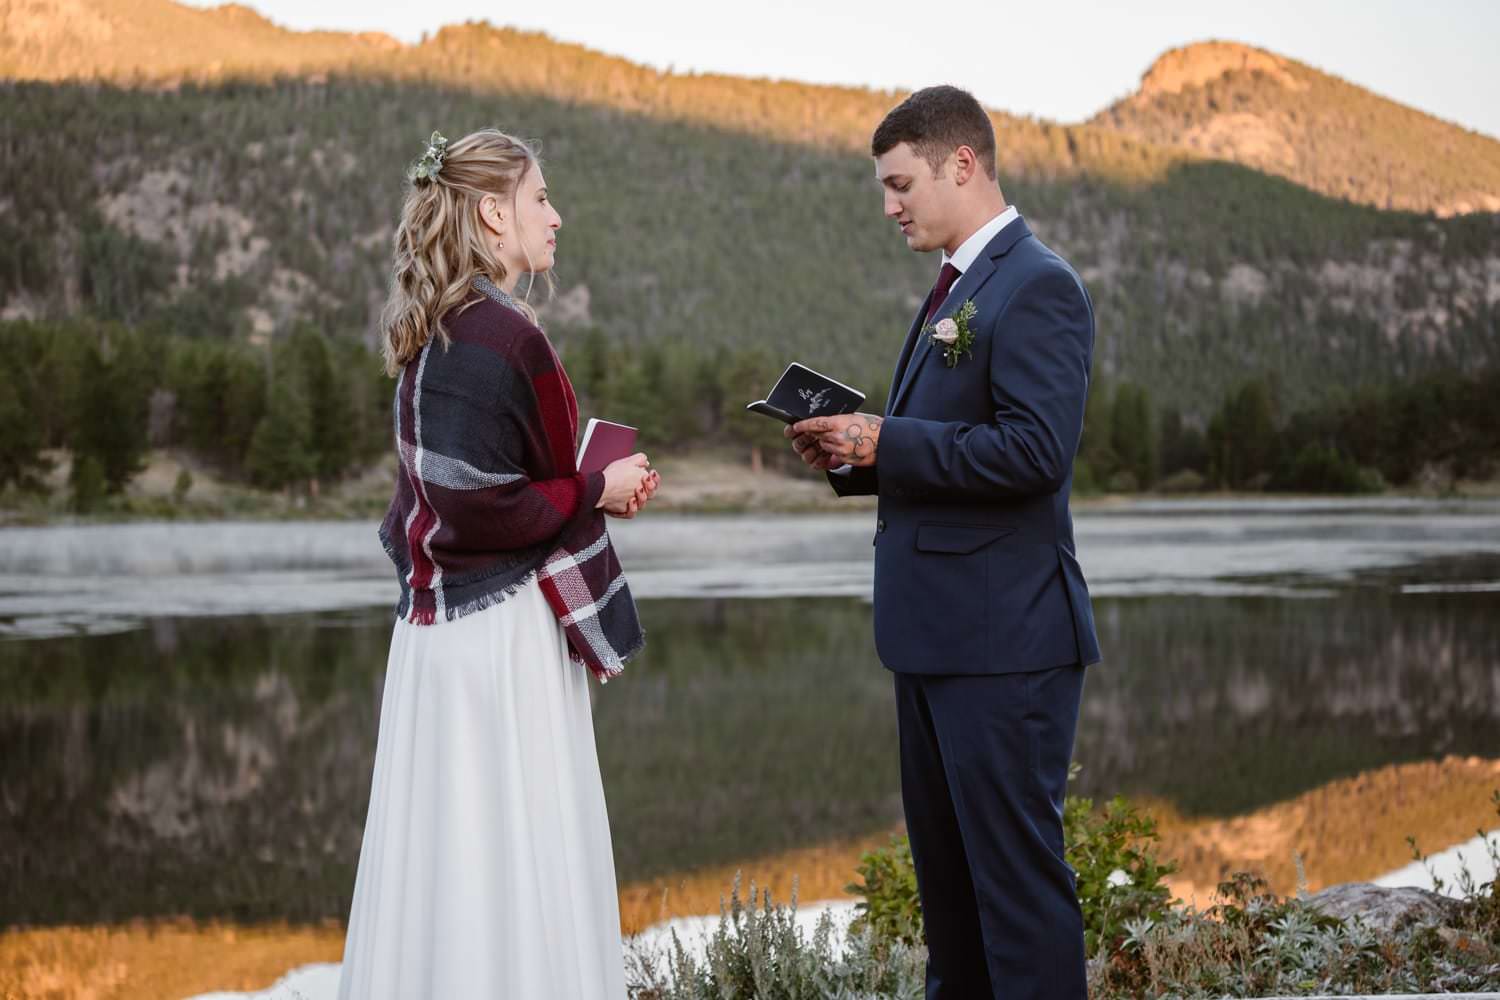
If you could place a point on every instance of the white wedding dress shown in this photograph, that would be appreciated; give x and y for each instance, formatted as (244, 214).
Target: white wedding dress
(486, 871)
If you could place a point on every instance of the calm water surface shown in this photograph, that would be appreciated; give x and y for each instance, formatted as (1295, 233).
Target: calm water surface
(188, 715)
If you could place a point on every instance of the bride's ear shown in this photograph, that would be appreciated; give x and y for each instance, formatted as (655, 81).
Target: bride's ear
(491, 215)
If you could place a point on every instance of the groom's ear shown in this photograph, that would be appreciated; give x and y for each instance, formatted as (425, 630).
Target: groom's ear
(965, 165)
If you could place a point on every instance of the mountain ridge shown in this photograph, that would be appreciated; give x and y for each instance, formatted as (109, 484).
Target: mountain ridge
(163, 43)
(1247, 105)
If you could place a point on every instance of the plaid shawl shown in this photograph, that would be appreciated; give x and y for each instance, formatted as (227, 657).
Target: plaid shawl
(488, 493)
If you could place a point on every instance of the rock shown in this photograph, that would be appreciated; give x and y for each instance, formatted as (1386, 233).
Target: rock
(1385, 910)
(1195, 65)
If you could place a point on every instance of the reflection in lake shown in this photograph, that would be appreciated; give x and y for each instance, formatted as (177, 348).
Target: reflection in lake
(220, 766)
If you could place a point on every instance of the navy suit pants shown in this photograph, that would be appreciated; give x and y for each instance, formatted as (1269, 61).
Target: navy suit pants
(984, 767)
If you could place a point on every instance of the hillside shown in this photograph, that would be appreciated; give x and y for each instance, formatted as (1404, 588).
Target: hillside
(1225, 100)
(237, 209)
(156, 40)
(161, 44)
(254, 182)
(1262, 110)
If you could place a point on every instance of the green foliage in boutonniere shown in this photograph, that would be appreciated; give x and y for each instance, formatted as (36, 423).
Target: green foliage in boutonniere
(953, 335)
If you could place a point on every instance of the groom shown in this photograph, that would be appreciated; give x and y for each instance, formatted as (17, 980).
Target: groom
(981, 610)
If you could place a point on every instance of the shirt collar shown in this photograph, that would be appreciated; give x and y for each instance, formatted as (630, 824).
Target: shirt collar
(971, 247)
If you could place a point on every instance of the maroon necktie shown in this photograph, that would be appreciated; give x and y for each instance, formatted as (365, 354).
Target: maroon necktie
(946, 277)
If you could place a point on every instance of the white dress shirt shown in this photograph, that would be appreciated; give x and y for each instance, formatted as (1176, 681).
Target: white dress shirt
(971, 247)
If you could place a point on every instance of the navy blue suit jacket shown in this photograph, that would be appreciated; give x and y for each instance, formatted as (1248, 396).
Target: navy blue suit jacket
(975, 566)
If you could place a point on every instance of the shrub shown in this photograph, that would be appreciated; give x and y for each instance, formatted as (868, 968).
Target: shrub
(1111, 850)
(1319, 468)
(759, 952)
(1120, 879)
(1255, 944)
(1183, 481)
(888, 886)
(1252, 943)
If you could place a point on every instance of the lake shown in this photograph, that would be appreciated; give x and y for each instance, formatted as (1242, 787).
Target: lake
(189, 710)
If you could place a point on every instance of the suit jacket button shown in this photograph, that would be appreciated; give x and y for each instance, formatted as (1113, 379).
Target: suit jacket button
(879, 526)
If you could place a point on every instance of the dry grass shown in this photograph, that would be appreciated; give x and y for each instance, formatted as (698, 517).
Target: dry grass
(160, 960)
(821, 872)
(1345, 831)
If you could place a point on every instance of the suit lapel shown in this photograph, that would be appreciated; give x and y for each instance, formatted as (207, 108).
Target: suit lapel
(906, 352)
(965, 288)
(977, 274)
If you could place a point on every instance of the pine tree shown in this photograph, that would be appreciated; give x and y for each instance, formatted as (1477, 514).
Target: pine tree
(1096, 456)
(21, 459)
(110, 425)
(281, 452)
(331, 433)
(1133, 435)
(1242, 435)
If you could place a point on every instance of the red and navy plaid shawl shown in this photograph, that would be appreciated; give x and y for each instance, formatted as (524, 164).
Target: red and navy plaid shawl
(488, 492)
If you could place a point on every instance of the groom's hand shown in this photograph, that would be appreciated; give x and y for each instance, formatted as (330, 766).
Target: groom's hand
(852, 439)
(806, 447)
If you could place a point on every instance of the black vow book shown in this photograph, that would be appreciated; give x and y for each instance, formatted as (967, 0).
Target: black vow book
(801, 393)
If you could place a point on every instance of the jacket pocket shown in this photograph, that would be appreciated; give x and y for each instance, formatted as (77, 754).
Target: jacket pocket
(958, 539)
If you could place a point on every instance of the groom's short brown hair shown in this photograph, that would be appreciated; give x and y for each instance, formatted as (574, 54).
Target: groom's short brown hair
(935, 121)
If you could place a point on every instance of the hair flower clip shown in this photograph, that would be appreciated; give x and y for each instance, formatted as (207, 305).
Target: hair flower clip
(426, 168)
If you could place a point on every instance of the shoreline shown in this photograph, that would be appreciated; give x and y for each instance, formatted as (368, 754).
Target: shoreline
(319, 980)
(1442, 800)
(694, 483)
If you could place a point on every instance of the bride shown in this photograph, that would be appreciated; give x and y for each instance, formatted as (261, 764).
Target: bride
(486, 869)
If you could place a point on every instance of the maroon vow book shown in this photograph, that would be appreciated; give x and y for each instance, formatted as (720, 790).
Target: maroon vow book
(604, 442)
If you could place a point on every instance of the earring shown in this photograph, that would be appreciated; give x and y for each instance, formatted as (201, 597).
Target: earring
(501, 244)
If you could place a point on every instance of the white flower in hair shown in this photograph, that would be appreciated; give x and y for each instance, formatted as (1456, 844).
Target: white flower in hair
(426, 168)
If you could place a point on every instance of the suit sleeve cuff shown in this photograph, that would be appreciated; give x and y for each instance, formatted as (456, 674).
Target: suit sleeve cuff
(894, 455)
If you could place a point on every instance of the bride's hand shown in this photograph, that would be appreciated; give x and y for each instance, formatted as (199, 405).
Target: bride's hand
(643, 494)
(623, 478)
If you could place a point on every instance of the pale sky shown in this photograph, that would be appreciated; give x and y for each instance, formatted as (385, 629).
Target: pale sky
(1061, 61)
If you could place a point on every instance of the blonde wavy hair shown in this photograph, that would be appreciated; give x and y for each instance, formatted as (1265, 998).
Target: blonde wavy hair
(441, 244)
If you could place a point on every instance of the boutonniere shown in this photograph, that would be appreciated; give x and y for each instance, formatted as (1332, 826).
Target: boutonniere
(953, 335)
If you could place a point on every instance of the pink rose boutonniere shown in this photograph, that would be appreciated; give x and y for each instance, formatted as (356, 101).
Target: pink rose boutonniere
(953, 335)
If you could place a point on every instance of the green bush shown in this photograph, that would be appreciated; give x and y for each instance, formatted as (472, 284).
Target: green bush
(1319, 468)
(1120, 879)
(1183, 481)
(1111, 851)
(891, 907)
